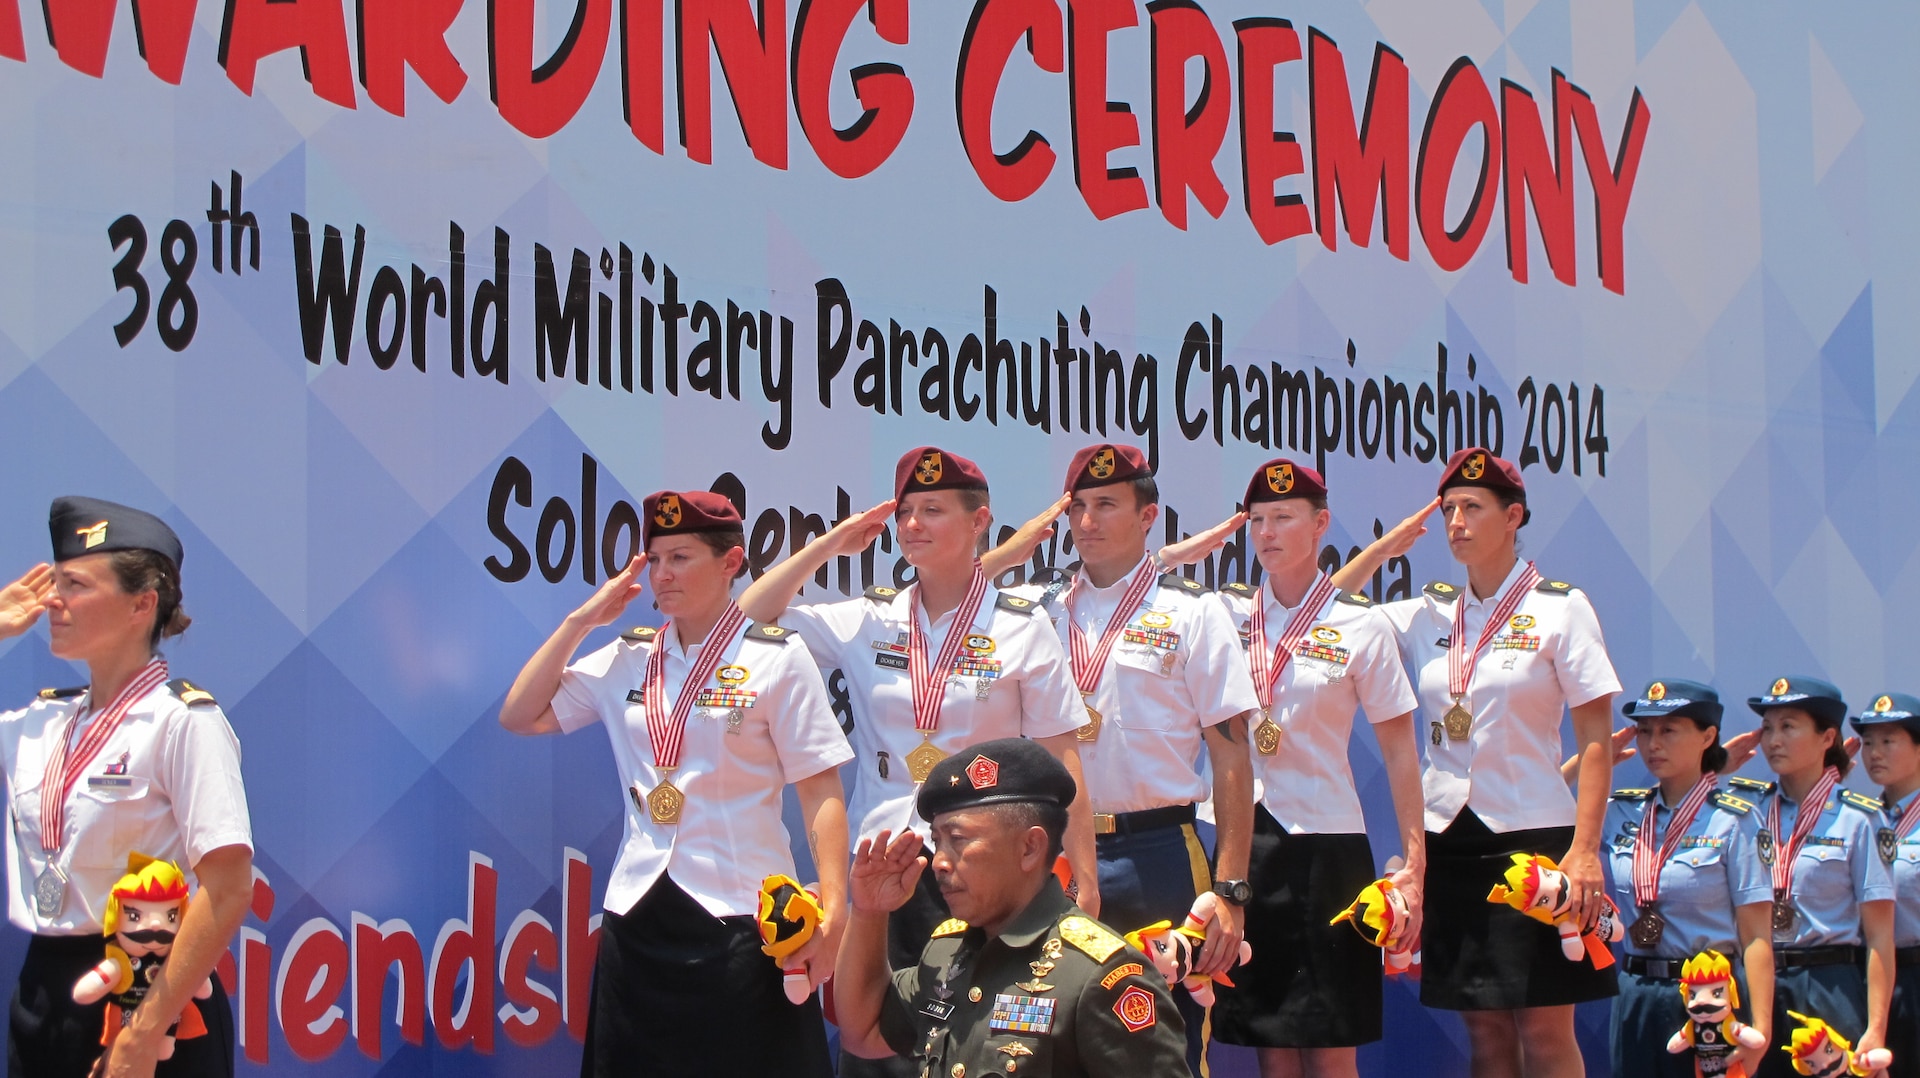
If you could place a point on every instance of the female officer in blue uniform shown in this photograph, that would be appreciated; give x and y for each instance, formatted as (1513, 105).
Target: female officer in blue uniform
(1832, 884)
(1890, 749)
(1686, 876)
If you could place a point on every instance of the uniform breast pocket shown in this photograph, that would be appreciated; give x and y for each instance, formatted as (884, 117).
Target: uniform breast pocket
(1025, 1051)
(1146, 658)
(1822, 875)
(111, 807)
(1696, 876)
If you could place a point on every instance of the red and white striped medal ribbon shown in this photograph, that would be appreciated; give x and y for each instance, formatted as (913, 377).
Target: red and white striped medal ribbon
(930, 679)
(1909, 819)
(1804, 821)
(1090, 659)
(1268, 665)
(667, 731)
(65, 765)
(1650, 853)
(1461, 662)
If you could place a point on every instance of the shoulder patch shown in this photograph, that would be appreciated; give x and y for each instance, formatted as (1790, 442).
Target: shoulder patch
(1632, 795)
(1181, 583)
(189, 693)
(1741, 782)
(1554, 587)
(62, 694)
(1244, 591)
(1091, 937)
(1354, 597)
(881, 594)
(1739, 806)
(1121, 972)
(772, 634)
(640, 634)
(1862, 802)
(1016, 604)
(952, 926)
(1442, 591)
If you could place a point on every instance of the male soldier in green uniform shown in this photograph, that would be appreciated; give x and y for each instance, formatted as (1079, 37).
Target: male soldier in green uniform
(1020, 982)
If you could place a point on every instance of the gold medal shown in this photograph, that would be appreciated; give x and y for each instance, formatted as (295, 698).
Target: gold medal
(1459, 722)
(921, 761)
(1266, 735)
(665, 802)
(1091, 731)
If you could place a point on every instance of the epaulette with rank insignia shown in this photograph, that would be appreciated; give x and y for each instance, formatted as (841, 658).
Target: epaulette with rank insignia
(1186, 584)
(1632, 795)
(1862, 801)
(1741, 782)
(881, 594)
(1442, 591)
(1089, 936)
(640, 634)
(62, 694)
(1016, 604)
(1739, 806)
(1354, 597)
(773, 634)
(189, 693)
(952, 926)
(1244, 591)
(1554, 587)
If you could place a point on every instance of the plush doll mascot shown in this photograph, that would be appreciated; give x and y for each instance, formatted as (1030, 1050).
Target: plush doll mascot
(1710, 995)
(1536, 887)
(1171, 949)
(789, 916)
(1382, 918)
(144, 911)
(1820, 1051)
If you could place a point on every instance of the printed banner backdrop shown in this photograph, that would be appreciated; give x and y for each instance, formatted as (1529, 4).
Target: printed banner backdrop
(395, 310)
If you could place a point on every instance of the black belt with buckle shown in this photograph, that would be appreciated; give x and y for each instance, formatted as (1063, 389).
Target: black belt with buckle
(1660, 969)
(1844, 954)
(1133, 823)
(1907, 956)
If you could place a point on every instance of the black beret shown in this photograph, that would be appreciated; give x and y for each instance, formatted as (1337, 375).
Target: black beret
(1008, 770)
(91, 526)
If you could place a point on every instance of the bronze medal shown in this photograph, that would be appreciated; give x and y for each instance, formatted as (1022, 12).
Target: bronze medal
(1266, 735)
(921, 761)
(1459, 722)
(1647, 929)
(1784, 914)
(665, 802)
(1091, 731)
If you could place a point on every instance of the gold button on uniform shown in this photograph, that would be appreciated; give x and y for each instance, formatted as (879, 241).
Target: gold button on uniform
(973, 995)
(960, 1069)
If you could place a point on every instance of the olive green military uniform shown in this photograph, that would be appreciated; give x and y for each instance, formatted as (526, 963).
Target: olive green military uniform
(1055, 995)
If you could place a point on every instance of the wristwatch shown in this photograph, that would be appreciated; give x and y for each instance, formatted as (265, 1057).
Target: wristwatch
(1238, 892)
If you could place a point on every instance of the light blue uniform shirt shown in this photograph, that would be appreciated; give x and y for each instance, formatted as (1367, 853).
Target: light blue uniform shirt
(1840, 867)
(1906, 881)
(1715, 869)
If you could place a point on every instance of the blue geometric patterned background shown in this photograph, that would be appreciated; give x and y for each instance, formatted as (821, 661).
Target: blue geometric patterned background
(1755, 517)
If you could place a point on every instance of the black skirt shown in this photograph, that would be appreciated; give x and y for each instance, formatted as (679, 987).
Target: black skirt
(1486, 956)
(1309, 984)
(678, 991)
(51, 1036)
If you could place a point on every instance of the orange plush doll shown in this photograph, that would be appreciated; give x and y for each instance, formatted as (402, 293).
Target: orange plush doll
(144, 911)
(1536, 887)
(1382, 918)
(789, 916)
(1820, 1051)
(1171, 949)
(1712, 1032)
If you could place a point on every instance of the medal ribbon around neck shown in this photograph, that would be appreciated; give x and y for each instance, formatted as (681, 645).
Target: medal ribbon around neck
(930, 680)
(1460, 662)
(1647, 862)
(64, 767)
(1803, 824)
(1908, 819)
(668, 732)
(1267, 666)
(1090, 660)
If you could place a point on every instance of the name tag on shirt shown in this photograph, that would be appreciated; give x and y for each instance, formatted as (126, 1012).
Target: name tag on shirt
(890, 660)
(938, 1010)
(636, 696)
(109, 782)
(1826, 840)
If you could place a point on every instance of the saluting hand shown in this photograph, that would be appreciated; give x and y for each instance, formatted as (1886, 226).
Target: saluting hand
(884, 872)
(23, 601)
(1195, 547)
(857, 532)
(610, 600)
(1403, 535)
(1740, 748)
(1020, 545)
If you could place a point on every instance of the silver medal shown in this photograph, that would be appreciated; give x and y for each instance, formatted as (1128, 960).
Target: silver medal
(49, 892)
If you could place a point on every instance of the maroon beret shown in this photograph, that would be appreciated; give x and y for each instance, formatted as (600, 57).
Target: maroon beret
(1479, 468)
(927, 468)
(1105, 464)
(670, 512)
(1281, 478)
